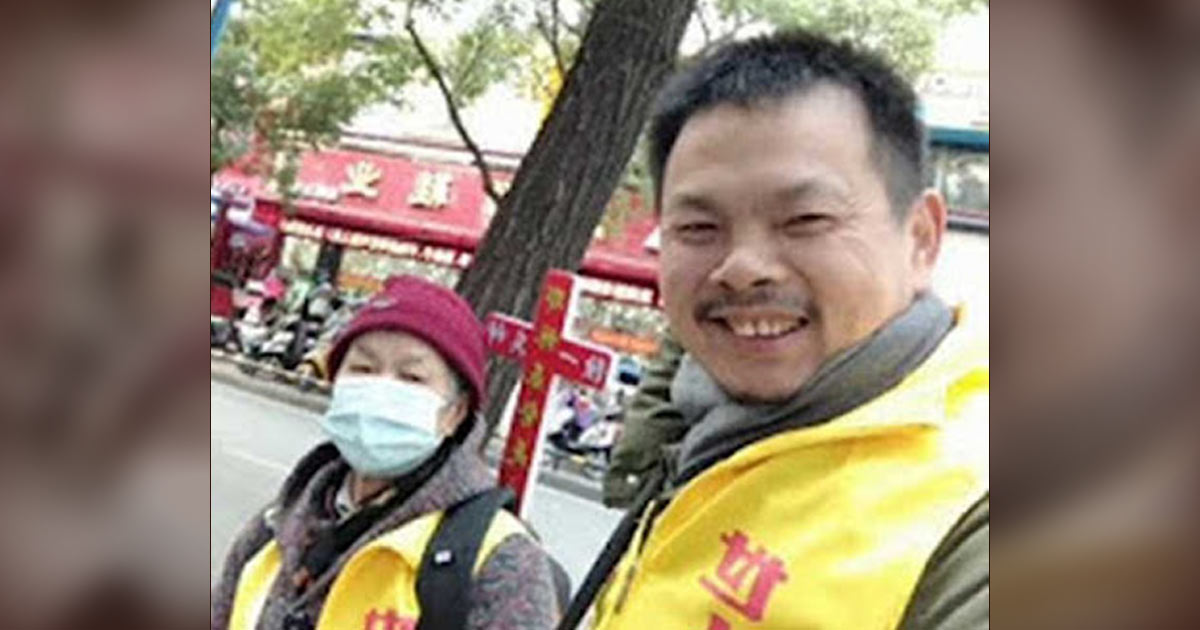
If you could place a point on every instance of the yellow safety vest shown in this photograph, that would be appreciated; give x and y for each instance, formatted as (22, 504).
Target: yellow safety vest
(376, 589)
(824, 528)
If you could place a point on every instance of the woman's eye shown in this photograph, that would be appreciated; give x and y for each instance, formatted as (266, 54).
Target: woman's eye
(360, 369)
(411, 377)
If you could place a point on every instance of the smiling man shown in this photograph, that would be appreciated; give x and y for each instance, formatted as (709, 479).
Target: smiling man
(834, 469)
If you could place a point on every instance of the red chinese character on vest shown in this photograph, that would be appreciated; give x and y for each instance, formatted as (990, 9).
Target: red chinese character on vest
(732, 586)
(376, 620)
(717, 622)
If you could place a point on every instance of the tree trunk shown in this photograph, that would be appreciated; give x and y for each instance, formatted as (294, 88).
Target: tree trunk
(564, 183)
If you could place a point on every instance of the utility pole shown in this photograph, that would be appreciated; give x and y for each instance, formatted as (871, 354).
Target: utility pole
(216, 25)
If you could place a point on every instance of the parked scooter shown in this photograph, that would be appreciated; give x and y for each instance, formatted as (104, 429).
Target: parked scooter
(288, 344)
(223, 334)
(313, 370)
(595, 440)
(252, 334)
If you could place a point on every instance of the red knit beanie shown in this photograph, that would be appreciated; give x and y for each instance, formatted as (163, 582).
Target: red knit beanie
(435, 314)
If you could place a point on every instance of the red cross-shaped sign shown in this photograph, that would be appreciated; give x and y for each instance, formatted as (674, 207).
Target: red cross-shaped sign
(546, 354)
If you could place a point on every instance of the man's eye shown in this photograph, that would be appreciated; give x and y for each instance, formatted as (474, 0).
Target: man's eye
(359, 369)
(696, 230)
(807, 222)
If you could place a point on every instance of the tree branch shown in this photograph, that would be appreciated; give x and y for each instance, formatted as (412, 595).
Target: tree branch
(468, 68)
(739, 23)
(555, 24)
(703, 26)
(556, 17)
(550, 35)
(577, 30)
(573, 29)
(489, 187)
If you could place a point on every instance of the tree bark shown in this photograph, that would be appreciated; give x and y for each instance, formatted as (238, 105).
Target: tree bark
(559, 193)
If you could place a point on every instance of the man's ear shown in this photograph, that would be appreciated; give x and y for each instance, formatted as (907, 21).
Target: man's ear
(925, 227)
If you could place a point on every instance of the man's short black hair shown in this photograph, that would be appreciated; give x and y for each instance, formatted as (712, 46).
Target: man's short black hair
(789, 63)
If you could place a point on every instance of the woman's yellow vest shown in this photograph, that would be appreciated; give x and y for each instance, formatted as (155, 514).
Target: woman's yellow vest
(376, 589)
(820, 528)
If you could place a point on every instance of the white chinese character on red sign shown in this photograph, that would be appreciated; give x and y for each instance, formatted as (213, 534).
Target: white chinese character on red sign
(361, 178)
(519, 342)
(593, 370)
(496, 333)
(431, 190)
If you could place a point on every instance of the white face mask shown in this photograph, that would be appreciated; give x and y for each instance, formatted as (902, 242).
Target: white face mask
(383, 427)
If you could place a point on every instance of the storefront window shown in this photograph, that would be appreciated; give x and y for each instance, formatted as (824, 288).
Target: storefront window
(962, 176)
(248, 256)
(299, 257)
(641, 321)
(363, 272)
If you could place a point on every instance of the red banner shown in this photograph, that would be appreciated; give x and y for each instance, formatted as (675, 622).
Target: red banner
(545, 355)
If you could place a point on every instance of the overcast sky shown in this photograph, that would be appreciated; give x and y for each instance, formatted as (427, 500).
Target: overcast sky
(504, 120)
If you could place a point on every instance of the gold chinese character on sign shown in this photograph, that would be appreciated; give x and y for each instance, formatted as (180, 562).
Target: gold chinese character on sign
(431, 190)
(548, 339)
(361, 179)
(556, 298)
(537, 377)
(520, 455)
(529, 414)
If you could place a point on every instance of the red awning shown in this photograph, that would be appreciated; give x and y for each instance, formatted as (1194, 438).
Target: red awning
(428, 202)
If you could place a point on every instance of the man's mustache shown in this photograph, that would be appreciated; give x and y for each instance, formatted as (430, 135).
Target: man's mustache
(756, 298)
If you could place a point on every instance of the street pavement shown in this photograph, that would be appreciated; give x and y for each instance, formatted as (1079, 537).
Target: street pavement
(256, 439)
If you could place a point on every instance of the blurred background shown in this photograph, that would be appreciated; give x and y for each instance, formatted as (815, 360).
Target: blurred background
(1094, 324)
(108, 486)
(103, 400)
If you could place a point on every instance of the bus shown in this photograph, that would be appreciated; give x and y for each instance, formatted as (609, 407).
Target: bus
(958, 166)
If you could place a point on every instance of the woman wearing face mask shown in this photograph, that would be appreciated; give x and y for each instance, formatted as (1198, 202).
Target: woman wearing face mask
(344, 545)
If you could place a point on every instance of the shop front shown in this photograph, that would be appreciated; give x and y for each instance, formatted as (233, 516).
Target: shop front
(359, 217)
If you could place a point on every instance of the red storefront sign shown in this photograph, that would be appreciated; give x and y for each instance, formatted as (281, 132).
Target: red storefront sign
(431, 203)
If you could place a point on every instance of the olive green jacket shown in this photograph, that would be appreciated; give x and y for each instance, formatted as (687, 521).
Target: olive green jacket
(650, 422)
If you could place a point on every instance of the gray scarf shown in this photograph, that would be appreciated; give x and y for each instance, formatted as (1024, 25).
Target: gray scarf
(722, 426)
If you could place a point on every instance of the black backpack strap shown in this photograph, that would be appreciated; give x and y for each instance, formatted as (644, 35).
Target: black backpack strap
(444, 579)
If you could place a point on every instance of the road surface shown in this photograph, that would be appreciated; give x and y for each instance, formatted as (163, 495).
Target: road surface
(256, 439)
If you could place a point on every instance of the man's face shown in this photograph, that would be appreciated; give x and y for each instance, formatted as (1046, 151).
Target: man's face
(779, 244)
